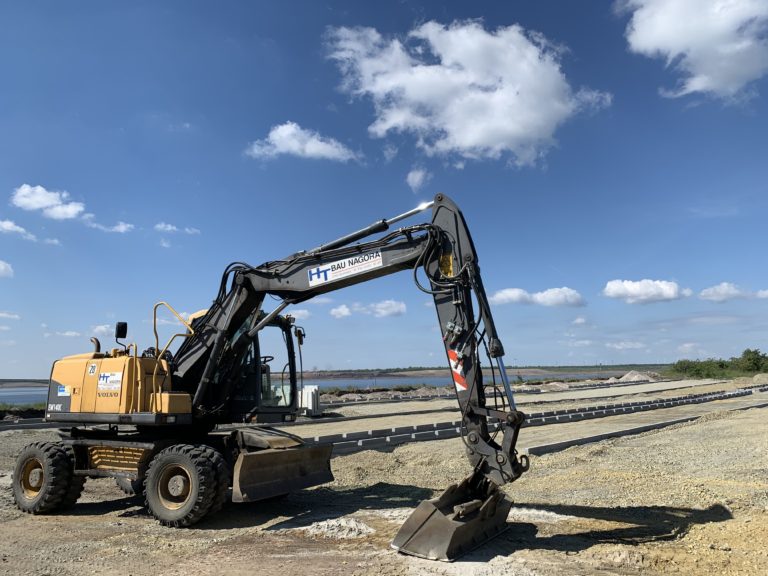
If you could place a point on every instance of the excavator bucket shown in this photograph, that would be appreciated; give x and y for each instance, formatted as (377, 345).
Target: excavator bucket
(458, 521)
(272, 463)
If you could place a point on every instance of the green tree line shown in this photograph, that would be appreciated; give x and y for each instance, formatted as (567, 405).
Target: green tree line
(750, 362)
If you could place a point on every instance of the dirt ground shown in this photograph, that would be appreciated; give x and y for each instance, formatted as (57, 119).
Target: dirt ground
(689, 499)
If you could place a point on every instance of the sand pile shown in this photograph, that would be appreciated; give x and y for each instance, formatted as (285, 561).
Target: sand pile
(635, 376)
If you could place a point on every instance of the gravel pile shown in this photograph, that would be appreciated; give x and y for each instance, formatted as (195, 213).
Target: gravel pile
(635, 376)
(341, 528)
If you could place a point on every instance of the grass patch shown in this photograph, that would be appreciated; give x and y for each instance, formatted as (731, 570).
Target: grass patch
(5, 407)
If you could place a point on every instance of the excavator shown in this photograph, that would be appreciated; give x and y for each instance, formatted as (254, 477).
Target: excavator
(189, 430)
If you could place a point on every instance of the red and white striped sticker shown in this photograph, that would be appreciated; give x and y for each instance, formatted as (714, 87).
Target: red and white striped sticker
(458, 371)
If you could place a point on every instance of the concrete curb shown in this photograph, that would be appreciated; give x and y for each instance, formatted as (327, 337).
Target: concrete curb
(390, 437)
(558, 446)
(441, 429)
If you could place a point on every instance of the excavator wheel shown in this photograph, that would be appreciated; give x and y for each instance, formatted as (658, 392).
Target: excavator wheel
(42, 479)
(223, 481)
(76, 485)
(130, 487)
(180, 485)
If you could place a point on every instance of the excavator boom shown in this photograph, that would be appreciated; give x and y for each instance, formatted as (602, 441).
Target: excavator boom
(444, 253)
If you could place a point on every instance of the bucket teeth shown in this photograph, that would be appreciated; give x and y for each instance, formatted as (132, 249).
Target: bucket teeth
(464, 517)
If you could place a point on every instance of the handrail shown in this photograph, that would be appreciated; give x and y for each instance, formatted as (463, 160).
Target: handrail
(159, 357)
(136, 380)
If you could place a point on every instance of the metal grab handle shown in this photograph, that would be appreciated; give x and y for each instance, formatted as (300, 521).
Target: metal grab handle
(160, 355)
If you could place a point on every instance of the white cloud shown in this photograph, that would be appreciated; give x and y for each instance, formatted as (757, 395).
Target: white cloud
(511, 296)
(713, 211)
(102, 330)
(164, 243)
(9, 316)
(320, 300)
(4, 328)
(6, 270)
(761, 294)
(580, 343)
(718, 46)
(119, 228)
(462, 90)
(382, 309)
(722, 292)
(341, 311)
(552, 297)
(300, 314)
(644, 291)
(390, 151)
(166, 228)
(10, 227)
(53, 203)
(170, 320)
(68, 334)
(56, 205)
(417, 178)
(387, 308)
(625, 345)
(558, 297)
(579, 321)
(290, 138)
(180, 127)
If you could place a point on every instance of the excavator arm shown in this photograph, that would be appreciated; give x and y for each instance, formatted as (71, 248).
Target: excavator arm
(442, 252)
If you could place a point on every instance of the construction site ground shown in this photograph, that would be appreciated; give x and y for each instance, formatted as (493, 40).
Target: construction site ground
(690, 498)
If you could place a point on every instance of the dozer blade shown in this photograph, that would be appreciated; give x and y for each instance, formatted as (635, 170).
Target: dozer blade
(458, 521)
(288, 466)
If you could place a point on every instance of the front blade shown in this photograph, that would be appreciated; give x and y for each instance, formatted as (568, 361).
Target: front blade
(273, 472)
(458, 521)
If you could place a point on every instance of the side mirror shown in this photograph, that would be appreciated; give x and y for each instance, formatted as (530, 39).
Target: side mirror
(121, 330)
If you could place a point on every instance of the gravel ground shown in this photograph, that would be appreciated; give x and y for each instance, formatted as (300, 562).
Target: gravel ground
(690, 499)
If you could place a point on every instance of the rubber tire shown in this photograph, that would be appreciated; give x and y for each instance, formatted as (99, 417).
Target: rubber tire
(73, 494)
(195, 464)
(76, 485)
(55, 490)
(223, 481)
(130, 487)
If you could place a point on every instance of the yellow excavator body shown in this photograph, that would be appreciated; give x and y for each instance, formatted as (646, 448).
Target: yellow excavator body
(115, 383)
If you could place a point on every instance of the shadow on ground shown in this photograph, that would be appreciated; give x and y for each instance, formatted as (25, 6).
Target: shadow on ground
(304, 508)
(630, 526)
(295, 510)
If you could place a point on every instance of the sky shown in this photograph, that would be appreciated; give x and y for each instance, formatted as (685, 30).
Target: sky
(609, 158)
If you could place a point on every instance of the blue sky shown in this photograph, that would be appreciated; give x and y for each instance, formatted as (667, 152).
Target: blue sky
(610, 158)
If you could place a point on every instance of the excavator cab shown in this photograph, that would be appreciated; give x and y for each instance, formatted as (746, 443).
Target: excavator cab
(266, 391)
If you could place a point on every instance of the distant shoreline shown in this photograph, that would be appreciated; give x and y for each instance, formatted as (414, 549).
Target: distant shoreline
(548, 372)
(8, 383)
